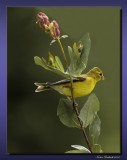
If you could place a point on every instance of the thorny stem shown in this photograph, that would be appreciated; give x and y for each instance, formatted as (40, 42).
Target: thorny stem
(75, 105)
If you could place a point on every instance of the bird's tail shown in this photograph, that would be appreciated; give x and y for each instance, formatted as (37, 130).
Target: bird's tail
(42, 86)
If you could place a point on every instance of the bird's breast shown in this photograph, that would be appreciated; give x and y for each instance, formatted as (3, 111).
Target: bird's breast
(84, 88)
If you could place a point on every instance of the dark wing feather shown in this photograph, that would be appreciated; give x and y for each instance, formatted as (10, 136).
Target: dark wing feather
(78, 79)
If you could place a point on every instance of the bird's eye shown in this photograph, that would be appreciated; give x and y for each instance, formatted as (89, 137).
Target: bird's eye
(100, 74)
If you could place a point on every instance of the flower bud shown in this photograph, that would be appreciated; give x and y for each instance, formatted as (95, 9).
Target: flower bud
(55, 24)
(42, 20)
(44, 23)
(54, 29)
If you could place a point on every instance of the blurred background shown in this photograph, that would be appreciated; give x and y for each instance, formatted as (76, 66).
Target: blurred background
(32, 124)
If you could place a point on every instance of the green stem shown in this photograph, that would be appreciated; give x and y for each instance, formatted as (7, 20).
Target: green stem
(63, 53)
(74, 104)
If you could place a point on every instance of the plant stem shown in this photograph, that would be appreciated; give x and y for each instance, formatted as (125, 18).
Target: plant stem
(63, 53)
(75, 107)
(74, 104)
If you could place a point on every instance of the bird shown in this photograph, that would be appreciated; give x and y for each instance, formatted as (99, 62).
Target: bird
(81, 85)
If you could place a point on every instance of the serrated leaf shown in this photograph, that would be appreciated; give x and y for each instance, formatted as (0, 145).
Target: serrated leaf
(40, 62)
(66, 113)
(82, 61)
(95, 129)
(89, 110)
(80, 148)
(59, 64)
(97, 148)
(64, 36)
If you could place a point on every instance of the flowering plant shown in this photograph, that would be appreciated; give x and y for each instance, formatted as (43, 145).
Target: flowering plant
(68, 110)
(51, 28)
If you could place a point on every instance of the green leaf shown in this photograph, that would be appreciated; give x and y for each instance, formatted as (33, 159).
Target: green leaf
(64, 36)
(79, 149)
(80, 47)
(51, 60)
(97, 148)
(57, 71)
(76, 151)
(72, 66)
(53, 41)
(75, 49)
(82, 61)
(59, 64)
(63, 74)
(89, 110)
(95, 129)
(73, 60)
(66, 113)
(41, 62)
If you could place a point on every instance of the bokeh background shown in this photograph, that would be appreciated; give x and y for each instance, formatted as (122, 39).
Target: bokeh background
(32, 124)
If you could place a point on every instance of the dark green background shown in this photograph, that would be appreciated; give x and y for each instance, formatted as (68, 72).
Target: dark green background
(32, 123)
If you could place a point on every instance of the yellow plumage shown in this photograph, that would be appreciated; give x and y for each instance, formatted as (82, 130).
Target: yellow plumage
(82, 85)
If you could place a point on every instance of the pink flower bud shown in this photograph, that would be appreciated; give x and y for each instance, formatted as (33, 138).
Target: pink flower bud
(54, 29)
(55, 24)
(41, 16)
(46, 20)
(57, 32)
(42, 20)
(44, 23)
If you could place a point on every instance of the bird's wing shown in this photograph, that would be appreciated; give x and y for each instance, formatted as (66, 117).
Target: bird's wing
(77, 79)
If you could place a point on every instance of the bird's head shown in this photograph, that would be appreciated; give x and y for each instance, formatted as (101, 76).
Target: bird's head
(96, 73)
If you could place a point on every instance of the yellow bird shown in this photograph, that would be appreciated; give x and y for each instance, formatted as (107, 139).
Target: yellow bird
(82, 85)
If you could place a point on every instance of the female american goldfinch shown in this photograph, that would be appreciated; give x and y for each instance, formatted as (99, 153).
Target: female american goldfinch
(82, 85)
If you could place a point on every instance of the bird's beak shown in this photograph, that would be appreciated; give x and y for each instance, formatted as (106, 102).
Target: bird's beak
(102, 77)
